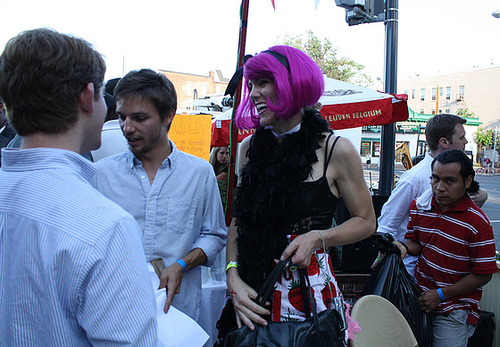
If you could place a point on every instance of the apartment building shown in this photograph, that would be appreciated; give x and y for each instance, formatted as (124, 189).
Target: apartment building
(477, 89)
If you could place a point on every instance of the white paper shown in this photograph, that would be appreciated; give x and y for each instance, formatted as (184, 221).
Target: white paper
(175, 329)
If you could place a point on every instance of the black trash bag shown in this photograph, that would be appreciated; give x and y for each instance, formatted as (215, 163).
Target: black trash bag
(391, 281)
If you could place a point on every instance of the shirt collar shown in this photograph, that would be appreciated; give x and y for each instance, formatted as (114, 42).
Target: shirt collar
(14, 159)
(168, 162)
(291, 131)
(462, 206)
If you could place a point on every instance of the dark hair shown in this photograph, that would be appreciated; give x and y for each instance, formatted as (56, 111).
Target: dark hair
(297, 79)
(150, 85)
(110, 85)
(441, 125)
(42, 73)
(466, 167)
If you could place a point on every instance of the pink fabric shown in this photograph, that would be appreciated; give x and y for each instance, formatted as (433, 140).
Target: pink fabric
(353, 327)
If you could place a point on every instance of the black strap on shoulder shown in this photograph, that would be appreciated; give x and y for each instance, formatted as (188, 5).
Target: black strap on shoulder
(328, 156)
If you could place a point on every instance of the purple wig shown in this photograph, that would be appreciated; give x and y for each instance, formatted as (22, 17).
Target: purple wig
(299, 87)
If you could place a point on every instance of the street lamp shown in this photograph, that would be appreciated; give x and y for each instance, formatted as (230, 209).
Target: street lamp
(496, 13)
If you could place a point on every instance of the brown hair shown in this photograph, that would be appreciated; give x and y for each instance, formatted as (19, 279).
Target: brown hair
(42, 73)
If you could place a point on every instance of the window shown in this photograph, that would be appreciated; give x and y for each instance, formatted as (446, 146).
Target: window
(447, 110)
(440, 91)
(413, 93)
(370, 146)
(421, 111)
(448, 93)
(422, 94)
(440, 111)
(461, 92)
(433, 95)
(433, 112)
(365, 148)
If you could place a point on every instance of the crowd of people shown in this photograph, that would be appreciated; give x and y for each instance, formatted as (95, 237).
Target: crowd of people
(79, 224)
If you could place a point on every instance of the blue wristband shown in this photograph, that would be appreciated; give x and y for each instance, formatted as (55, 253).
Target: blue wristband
(183, 264)
(441, 295)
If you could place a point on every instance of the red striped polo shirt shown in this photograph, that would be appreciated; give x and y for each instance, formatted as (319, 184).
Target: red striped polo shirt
(454, 244)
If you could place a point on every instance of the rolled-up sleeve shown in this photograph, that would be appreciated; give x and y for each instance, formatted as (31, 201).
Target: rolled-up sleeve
(213, 232)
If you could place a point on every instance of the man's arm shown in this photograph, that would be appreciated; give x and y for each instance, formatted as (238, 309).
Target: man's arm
(394, 215)
(116, 292)
(479, 198)
(171, 277)
(430, 299)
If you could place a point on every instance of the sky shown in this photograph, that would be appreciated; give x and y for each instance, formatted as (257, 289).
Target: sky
(196, 36)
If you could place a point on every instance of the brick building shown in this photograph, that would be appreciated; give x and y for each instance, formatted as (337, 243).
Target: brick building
(190, 87)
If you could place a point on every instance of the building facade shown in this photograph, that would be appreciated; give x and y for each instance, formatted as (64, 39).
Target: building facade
(476, 89)
(192, 87)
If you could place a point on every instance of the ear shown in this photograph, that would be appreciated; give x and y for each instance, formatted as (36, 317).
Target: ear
(86, 99)
(468, 181)
(443, 142)
(169, 118)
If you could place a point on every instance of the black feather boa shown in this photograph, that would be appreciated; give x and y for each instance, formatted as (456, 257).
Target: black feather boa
(268, 205)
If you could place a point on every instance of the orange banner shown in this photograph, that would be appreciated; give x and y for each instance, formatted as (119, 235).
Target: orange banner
(191, 134)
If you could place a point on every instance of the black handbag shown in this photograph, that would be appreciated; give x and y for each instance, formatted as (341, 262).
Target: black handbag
(324, 329)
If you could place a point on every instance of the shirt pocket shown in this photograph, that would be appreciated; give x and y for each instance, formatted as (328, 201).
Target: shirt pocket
(180, 215)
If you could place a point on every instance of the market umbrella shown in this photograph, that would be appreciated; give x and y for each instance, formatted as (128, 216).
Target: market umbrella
(221, 129)
(346, 105)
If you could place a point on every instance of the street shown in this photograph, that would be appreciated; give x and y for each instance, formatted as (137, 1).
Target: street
(490, 183)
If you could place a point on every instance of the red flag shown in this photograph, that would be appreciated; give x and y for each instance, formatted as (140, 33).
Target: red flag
(272, 1)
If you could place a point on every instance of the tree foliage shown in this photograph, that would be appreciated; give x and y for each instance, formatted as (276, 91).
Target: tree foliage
(325, 55)
(485, 138)
(465, 113)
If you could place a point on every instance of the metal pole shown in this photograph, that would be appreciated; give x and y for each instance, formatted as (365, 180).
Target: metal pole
(388, 135)
(494, 150)
(237, 96)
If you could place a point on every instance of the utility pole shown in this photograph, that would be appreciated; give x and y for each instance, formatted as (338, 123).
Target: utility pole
(388, 135)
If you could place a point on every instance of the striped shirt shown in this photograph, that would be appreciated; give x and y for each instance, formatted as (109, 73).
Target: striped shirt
(180, 211)
(454, 243)
(72, 269)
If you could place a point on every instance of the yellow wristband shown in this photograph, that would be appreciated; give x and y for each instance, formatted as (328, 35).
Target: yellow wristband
(232, 264)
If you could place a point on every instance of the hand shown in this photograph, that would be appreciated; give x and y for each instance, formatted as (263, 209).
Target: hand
(242, 295)
(171, 278)
(429, 300)
(379, 258)
(302, 248)
(401, 248)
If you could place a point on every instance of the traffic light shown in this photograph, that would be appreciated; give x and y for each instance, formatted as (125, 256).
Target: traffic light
(362, 11)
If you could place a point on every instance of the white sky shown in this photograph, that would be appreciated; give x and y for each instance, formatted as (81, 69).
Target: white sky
(195, 36)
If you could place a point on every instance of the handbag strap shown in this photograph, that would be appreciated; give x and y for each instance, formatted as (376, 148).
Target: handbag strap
(267, 289)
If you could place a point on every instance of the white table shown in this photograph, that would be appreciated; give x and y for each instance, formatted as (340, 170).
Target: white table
(213, 294)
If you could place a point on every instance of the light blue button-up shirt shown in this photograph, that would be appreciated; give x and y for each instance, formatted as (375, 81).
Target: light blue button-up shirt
(179, 212)
(72, 270)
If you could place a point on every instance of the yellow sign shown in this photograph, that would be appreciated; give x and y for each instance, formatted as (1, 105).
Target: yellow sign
(191, 133)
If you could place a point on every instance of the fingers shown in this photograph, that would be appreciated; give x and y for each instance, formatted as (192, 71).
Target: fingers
(251, 314)
(171, 291)
(168, 302)
(289, 250)
(247, 311)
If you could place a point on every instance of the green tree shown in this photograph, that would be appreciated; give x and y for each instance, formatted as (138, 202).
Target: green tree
(325, 55)
(484, 138)
(465, 113)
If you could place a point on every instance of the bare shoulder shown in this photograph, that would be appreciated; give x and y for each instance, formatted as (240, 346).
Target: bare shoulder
(242, 158)
(343, 150)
